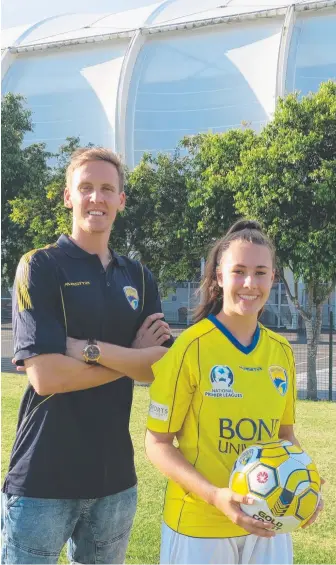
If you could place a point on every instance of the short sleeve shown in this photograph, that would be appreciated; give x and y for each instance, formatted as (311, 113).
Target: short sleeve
(288, 416)
(38, 319)
(151, 300)
(174, 383)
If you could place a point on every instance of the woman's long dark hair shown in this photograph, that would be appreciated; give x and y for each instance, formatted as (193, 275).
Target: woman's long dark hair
(210, 291)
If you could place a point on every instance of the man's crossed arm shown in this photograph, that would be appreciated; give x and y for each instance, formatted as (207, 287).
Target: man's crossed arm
(56, 373)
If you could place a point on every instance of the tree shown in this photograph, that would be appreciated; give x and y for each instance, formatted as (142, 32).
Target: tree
(41, 213)
(156, 224)
(211, 202)
(24, 171)
(287, 180)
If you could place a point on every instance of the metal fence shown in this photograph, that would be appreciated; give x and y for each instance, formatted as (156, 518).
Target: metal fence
(279, 315)
(282, 317)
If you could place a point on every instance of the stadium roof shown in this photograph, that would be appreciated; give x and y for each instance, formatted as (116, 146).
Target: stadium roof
(166, 15)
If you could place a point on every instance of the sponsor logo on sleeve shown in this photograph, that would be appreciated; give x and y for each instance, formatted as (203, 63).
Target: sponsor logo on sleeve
(158, 411)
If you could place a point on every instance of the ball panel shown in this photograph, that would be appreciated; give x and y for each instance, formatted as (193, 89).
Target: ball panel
(306, 504)
(273, 461)
(238, 483)
(260, 511)
(262, 480)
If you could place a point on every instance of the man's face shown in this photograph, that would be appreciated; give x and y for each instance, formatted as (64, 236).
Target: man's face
(94, 196)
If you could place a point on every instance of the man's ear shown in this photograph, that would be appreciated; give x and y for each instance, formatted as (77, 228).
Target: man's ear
(122, 202)
(67, 198)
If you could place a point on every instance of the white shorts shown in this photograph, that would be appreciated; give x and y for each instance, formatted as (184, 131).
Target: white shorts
(177, 549)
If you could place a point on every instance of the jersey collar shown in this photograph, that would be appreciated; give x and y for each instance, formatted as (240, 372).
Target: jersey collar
(76, 252)
(243, 348)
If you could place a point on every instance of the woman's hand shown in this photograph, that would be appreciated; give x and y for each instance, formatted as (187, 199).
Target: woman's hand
(228, 502)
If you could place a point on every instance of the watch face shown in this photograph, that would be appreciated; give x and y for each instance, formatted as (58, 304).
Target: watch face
(92, 352)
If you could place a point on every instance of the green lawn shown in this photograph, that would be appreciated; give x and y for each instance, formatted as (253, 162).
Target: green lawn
(315, 429)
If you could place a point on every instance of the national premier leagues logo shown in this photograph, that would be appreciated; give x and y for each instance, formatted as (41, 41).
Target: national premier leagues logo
(221, 378)
(132, 296)
(279, 378)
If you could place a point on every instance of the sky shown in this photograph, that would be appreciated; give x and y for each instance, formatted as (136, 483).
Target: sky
(20, 12)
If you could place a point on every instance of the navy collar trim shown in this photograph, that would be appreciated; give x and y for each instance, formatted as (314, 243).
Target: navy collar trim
(243, 348)
(76, 252)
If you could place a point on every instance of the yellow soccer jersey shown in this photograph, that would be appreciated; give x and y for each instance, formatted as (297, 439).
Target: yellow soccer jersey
(219, 397)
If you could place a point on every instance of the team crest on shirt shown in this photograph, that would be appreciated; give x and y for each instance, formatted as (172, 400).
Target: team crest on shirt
(279, 378)
(222, 379)
(132, 296)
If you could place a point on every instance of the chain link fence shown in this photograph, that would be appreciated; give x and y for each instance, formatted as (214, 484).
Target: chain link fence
(279, 315)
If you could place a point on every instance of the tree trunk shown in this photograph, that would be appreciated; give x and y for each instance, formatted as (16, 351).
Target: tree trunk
(313, 329)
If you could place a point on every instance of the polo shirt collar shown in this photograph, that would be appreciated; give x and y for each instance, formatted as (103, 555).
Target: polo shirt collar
(76, 252)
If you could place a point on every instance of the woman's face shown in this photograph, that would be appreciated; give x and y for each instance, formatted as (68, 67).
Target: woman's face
(246, 275)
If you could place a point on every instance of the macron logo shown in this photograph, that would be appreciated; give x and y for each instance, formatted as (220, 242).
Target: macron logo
(79, 283)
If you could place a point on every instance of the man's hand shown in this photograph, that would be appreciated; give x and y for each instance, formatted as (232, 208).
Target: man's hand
(19, 368)
(154, 331)
(74, 348)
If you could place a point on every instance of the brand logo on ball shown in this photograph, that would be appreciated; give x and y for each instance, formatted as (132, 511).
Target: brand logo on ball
(132, 296)
(262, 477)
(279, 378)
(246, 457)
(221, 378)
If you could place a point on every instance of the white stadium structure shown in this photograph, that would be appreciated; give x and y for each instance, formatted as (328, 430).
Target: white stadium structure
(139, 80)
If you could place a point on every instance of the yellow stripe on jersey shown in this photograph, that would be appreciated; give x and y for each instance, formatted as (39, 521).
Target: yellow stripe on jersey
(22, 280)
(218, 400)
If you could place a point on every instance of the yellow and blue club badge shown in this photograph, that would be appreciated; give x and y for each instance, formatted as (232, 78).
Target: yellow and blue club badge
(132, 296)
(279, 378)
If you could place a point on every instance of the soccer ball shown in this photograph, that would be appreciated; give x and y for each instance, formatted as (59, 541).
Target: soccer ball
(282, 479)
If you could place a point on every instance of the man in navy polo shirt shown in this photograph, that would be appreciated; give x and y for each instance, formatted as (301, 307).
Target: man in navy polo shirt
(71, 474)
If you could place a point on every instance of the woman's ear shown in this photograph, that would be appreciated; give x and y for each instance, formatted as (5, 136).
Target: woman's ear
(219, 276)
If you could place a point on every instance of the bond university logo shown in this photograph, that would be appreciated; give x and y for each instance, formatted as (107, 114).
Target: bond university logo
(132, 296)
(221, 379)
(279, 378)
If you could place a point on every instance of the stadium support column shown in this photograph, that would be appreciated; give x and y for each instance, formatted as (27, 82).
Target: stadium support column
(125, 78)
(286, 36)
(7, 59)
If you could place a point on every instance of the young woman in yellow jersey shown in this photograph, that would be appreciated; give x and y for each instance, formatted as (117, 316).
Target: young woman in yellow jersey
(216, 392)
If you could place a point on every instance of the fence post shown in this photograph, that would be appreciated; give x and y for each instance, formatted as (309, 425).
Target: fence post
(331, 327)
(279, 305)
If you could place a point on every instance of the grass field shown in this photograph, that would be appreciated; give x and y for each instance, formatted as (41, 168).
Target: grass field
(315, 430)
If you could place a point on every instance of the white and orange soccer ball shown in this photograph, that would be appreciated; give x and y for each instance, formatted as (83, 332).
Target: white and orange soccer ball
(282, 479)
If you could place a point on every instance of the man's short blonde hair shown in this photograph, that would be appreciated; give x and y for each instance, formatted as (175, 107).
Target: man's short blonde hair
(85, 154)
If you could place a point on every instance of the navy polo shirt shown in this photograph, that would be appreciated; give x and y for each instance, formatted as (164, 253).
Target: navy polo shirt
(76, 444)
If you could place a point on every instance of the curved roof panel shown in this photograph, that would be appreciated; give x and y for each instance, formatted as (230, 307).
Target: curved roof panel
(179, 11)
(74, 26)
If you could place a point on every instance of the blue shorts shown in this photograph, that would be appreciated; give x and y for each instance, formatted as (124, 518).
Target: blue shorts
(97, 530)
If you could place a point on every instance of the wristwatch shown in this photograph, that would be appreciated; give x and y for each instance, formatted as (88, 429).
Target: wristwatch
(91, 352)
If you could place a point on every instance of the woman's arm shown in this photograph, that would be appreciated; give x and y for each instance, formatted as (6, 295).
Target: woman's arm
(287, 432)
(170, 461)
